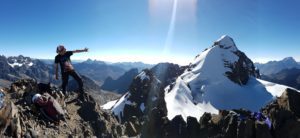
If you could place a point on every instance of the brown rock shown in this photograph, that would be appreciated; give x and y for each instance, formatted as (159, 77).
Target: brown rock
(290, 100)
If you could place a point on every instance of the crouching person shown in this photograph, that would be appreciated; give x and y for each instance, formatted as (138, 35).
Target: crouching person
(49, 107)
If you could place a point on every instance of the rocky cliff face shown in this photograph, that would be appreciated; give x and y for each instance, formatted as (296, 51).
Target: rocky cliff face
(242, 69)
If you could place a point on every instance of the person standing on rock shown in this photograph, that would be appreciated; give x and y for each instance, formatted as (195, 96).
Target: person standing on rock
(67, 69)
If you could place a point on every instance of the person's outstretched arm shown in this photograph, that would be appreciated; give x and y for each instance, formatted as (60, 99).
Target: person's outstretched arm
(81, 50)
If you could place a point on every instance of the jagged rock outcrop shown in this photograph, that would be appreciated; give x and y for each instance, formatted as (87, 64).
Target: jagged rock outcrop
(145, 93)
(284, 113)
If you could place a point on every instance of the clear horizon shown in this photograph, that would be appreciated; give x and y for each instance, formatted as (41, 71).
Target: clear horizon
(152, 63)
(150, 31)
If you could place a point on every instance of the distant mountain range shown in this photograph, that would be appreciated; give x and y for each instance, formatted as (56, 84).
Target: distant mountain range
(285, 71)
(14, 68)
(124, 65)
(165, 72)
(99, 71)
(18, 67)
(273, 67)
(130, 65)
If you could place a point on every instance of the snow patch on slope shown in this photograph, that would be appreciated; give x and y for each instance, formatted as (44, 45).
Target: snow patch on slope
(15, 64)
(180, 101)
(109, 104)
(19, 61)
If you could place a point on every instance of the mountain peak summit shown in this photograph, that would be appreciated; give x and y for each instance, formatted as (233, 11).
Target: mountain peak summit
(225, 42)
(291, 59)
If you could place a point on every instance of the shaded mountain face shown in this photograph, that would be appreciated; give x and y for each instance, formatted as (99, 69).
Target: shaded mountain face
(120, 85)
(98, 71)
(6, 71)
(274, 67)
(288, 77)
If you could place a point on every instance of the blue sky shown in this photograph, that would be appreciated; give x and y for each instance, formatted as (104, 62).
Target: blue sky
(149, 30)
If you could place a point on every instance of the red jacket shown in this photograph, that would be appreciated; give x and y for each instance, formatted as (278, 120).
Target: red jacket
(48, 105)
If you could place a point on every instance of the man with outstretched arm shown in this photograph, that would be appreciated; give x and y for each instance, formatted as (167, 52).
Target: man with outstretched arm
(63, 59)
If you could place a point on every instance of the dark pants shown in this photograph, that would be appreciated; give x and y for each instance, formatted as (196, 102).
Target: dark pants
(65, 79)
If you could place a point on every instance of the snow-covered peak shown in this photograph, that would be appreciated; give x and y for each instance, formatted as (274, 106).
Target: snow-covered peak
(221, 77)
(19, 61)
(226, 42)
(223, 59)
